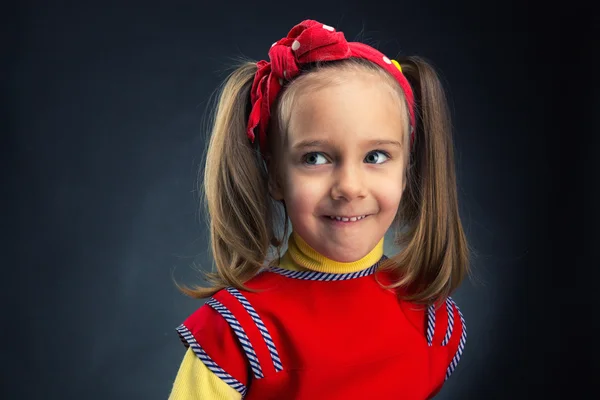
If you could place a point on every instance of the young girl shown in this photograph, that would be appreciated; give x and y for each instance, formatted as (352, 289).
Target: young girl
(346, 143)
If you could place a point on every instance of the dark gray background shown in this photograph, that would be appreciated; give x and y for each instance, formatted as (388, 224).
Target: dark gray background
(103, 117)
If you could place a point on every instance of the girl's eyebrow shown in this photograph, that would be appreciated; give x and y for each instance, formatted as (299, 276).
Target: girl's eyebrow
(310, 143)
(317, 143)
(378, 142)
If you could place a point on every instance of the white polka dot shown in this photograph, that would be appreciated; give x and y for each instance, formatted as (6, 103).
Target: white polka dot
(295, 45)
(285, 74)
(273, 44)
(329, 28)
(281, 81)
(387, 60)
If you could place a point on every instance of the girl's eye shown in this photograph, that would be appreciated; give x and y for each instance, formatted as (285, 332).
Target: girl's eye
(314, 159)
(376, 157)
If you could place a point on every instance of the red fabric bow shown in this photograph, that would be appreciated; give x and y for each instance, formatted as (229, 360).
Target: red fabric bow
(308, 42)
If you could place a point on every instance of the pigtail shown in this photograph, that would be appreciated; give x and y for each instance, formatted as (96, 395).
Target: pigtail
(239, 208)
(435, 259)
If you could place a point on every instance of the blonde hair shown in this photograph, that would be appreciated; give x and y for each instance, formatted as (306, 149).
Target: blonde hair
(243, 217)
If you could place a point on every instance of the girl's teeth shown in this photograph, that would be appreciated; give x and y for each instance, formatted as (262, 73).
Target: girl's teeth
(345, 219)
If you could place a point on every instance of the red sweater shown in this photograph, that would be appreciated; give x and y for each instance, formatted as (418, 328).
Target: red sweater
(314, 335)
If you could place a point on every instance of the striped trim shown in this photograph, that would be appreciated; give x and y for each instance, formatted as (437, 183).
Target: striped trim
(461, 344)
(240, 333)
(260, 325)
(430, 324)
(188, 339)
(325, 276)
(450, 322)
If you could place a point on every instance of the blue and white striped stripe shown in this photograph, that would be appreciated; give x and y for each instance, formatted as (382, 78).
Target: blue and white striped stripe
(461, 344)
(430, 324)
(188, 339)
(261, 327)
(450, 321)
(241, 334)
(325, 276)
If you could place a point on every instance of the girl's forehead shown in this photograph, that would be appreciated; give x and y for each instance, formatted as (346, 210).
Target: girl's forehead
(354, 109)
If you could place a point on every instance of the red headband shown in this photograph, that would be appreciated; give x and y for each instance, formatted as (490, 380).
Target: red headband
(308, 42)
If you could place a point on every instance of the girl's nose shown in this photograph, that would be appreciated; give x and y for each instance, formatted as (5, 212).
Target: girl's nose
(348, 184)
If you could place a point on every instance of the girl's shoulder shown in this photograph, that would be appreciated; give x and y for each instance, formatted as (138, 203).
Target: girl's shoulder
(207, 331)
(444, 329)
(230, 338)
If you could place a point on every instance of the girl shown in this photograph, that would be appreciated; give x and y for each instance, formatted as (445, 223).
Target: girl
(346, 143)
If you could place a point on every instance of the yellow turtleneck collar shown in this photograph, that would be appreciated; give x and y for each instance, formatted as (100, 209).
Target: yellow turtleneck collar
(301, 257)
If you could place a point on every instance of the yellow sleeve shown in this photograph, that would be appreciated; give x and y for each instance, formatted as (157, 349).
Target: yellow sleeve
(194, 381)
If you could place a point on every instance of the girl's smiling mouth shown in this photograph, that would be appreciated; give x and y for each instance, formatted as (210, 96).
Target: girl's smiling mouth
(346, 219)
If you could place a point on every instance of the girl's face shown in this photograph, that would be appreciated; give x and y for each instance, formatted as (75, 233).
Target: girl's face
(343, 165)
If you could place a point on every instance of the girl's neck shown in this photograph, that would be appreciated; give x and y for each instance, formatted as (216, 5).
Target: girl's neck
(300, 257)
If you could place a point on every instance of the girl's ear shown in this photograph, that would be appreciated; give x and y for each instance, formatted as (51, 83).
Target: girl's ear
(275, 189)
